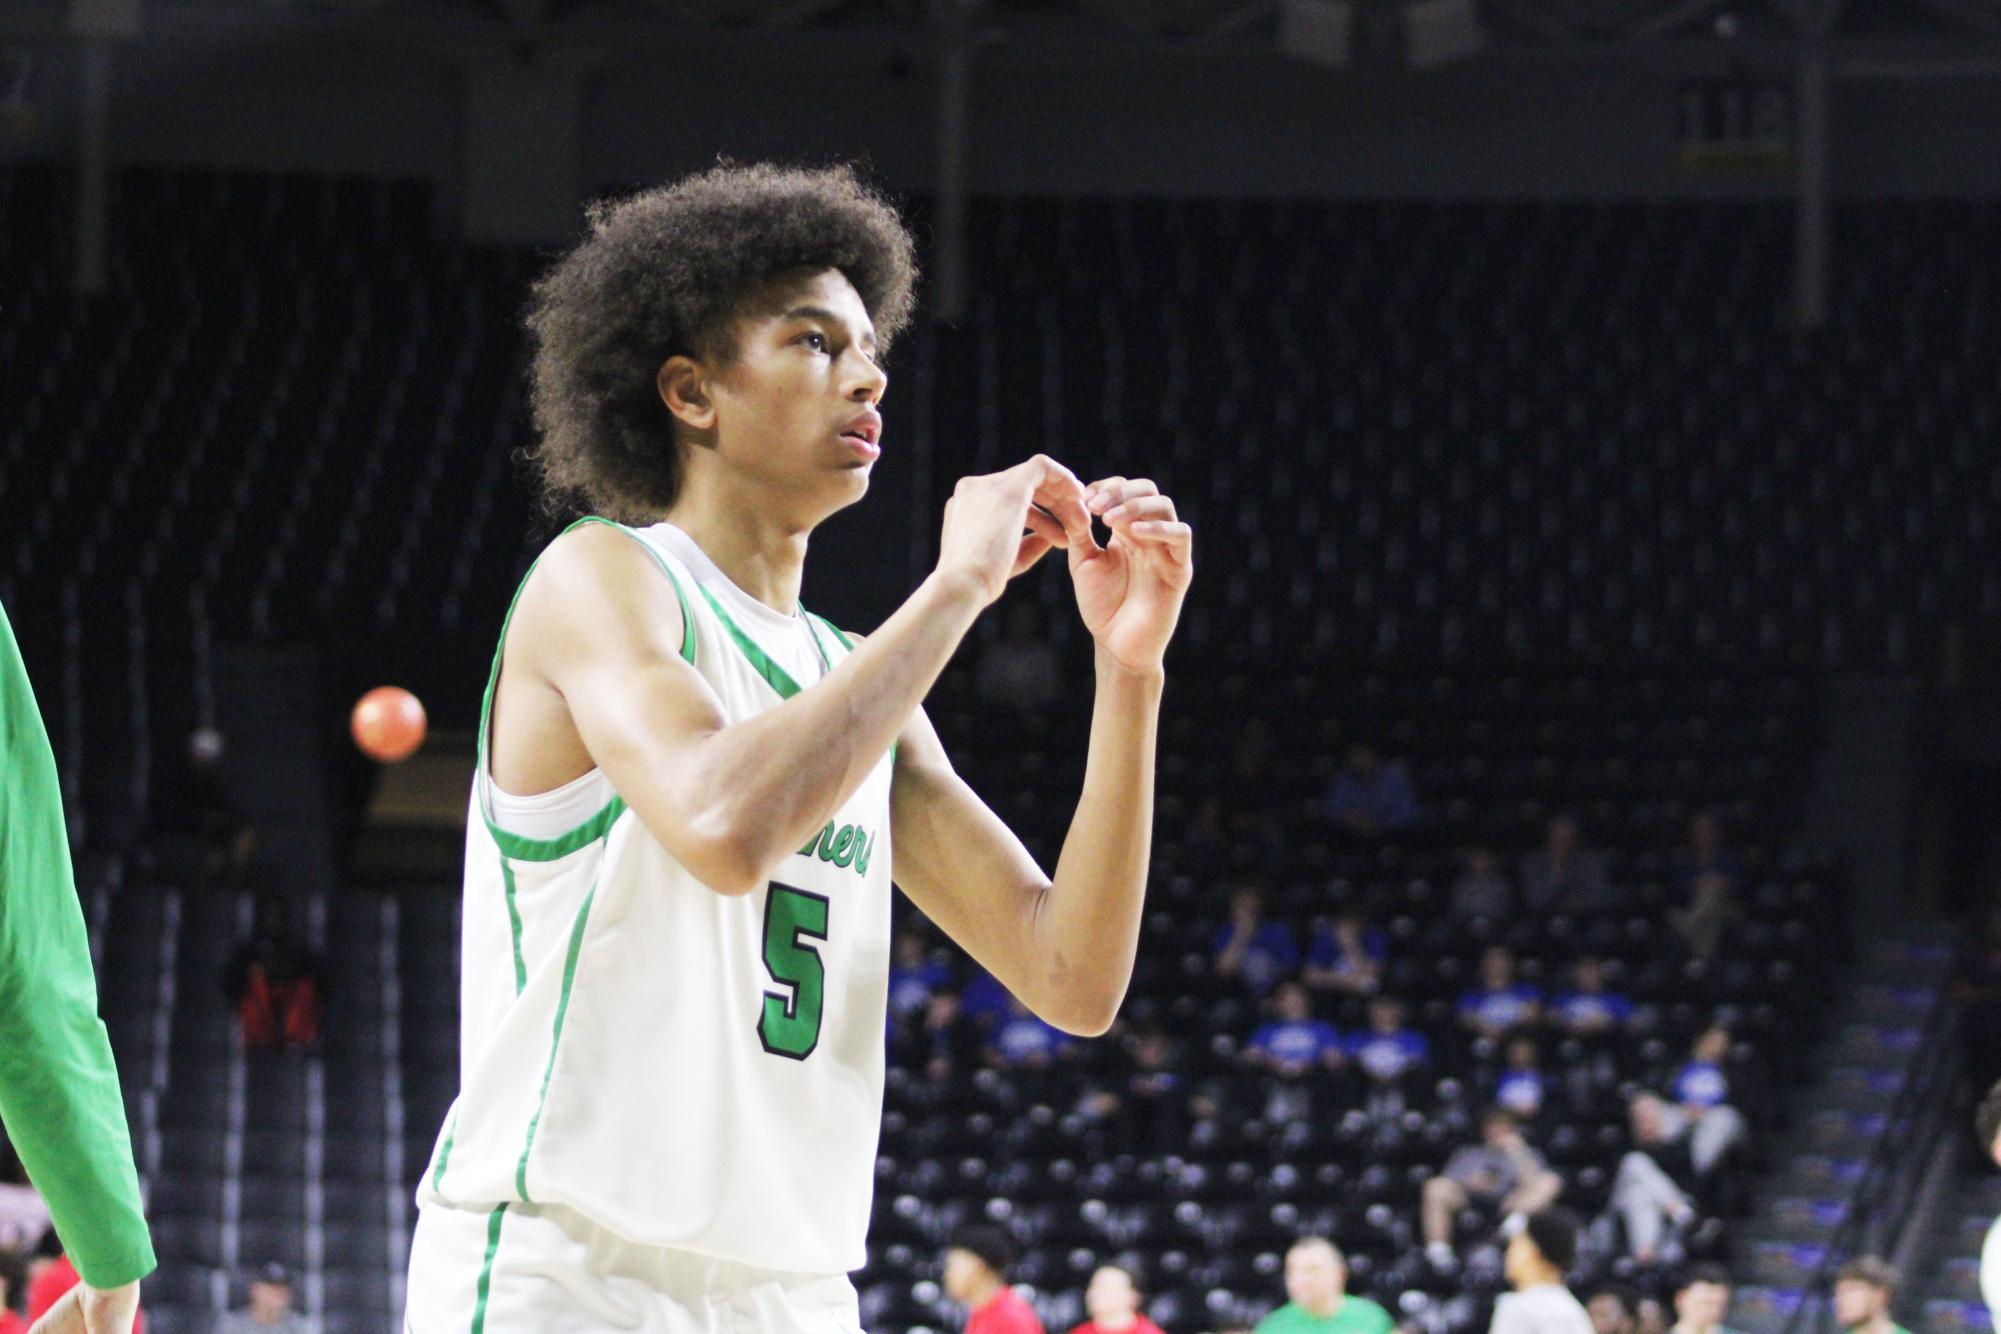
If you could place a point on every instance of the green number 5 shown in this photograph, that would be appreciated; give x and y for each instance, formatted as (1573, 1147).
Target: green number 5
(789, 1024)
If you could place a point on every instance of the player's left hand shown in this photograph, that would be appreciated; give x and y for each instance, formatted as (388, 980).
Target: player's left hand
(1129, 591)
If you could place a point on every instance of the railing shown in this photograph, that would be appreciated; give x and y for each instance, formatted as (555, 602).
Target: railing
(1894, 1175)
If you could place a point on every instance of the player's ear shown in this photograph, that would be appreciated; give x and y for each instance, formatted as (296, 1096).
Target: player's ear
(684, 387)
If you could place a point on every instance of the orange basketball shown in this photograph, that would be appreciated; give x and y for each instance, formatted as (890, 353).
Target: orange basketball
(388, 724)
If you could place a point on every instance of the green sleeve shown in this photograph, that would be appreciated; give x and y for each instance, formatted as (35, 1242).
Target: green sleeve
(59, 1093)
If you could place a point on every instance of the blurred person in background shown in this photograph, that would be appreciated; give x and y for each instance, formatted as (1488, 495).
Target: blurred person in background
(976, 1263)
(1112, 1299)
(1702, 1300)
(1249, 947)
(1317, 1300)
(270, 1308)
(1388, 1054)
(276, 982)
(1370, 798)
(1020, 670)
(1611, 1310)
(1701, 1090)
(1589, 1008)
(59, 1094)
(1521, 1085)
(1651, 1192)
(1864, 1288)
(1500, 1174)
(1540, 1253)
(1501, 1003)
(1294, 1048)
(1564, 875)
(13, 1283)
(1482, 889)
(1345, 954)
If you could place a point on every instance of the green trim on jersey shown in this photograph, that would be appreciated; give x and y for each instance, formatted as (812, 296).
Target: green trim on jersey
(513, 924)
(775, 676)
(555, 1040)
(484, 1288)
(549, 849)
(833, 630)
(445, 1152)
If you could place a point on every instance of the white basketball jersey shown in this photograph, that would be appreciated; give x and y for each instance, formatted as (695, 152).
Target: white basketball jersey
(686, 1069)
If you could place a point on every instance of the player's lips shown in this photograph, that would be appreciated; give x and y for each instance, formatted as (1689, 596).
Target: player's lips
(862, 433)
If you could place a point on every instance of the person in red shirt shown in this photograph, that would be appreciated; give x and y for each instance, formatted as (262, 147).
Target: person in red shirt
(976, 1264)
(13, 1278)
(48, 1287)
(1113, 1302)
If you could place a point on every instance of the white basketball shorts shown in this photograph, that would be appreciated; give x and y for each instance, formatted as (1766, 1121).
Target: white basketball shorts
(544, 1269)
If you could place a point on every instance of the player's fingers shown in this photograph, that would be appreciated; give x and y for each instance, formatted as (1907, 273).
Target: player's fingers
(1108, 494)
(1039, 522)
(1034, 546)
(1138, 508)
(1174, 539)
(1056, 489)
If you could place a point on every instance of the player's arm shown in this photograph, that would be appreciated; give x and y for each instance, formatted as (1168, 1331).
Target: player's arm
(731, 801)
(1063, 944)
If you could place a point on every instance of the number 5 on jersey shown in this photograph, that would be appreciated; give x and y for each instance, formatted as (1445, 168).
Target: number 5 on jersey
(789, 1024)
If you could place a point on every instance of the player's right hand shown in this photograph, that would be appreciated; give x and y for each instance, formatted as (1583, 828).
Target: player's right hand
(1000, 524)
(87, 1310)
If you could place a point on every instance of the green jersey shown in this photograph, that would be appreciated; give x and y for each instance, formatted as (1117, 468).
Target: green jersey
(58, 1087)
(1355, 1315)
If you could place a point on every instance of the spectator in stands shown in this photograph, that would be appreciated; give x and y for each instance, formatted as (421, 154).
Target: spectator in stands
(1711, 907)
(276, 983)
(1702, 1300)
(1153, 1103)
(1565, 876)
(1611, 1310)
(1520, 1086)
(13, 1283)
(915, 978)
(1259, 952)
(1388, 1053)
(984, 1001)
(1706, 855)
(1650, 1317)
(1501, 1174)
(1482, 889)
(1112, 1299)
(1540, 1252)
(1651, 1192)
(1019, 670)
(1500, 1004)
(1863, 1291)
(196, 829)
(1346, 954)
(270, 1310)
(1025, 1041)
(1370, 798)
(1294, 1048)
(1316, 1288)
(976, 1263)
(1702, 1091)
(1588, 1009)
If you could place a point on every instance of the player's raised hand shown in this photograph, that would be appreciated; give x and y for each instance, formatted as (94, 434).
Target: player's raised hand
(999, 524)
(1130, 591)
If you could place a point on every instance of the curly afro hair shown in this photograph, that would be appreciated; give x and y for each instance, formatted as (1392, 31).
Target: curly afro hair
(664, 273)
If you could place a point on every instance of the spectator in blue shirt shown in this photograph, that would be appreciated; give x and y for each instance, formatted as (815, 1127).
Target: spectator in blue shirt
(1294, 1043)
(1701, 1082)
(1024, 1041)
(1260, 953)
(984, 1000)
(1371, 798)
(1521, 1085)
(914, 977)
(1346, 954)
(1499, 1004)
(1388, 1051)
(1588, 1009)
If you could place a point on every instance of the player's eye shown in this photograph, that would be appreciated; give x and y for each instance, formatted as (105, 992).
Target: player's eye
(815, 340)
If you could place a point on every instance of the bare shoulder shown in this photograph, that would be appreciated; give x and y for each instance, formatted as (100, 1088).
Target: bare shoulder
(598, 591)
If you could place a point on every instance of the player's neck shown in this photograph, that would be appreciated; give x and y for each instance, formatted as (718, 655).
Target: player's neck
(762, 555)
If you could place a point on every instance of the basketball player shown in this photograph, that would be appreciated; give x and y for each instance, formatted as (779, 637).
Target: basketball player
(59, 1093)
(692, 794)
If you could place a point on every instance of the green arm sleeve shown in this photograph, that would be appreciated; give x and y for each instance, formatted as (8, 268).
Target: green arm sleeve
(59, 1092)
